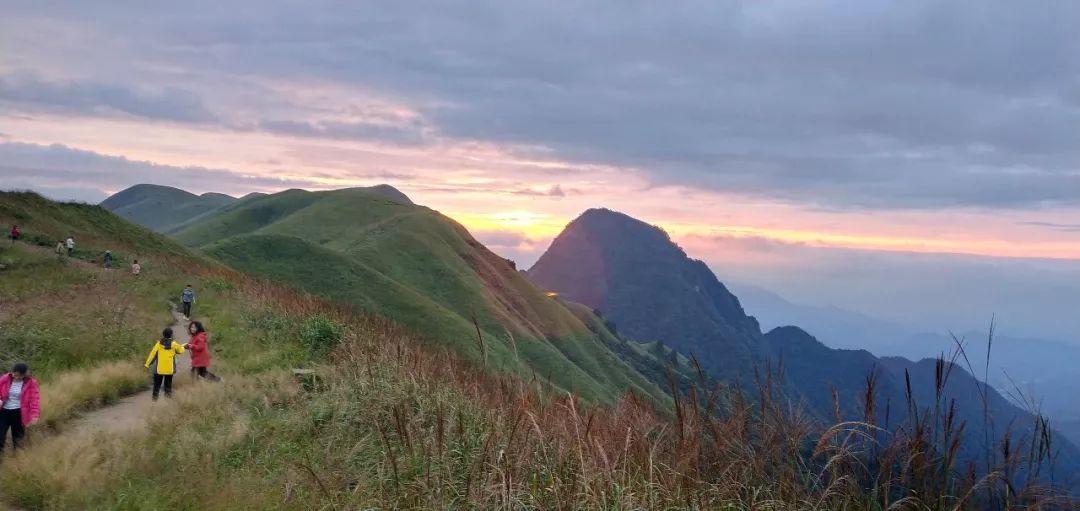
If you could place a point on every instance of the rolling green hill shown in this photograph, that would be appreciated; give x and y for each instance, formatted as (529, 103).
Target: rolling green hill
(163, 208)
(378, 251)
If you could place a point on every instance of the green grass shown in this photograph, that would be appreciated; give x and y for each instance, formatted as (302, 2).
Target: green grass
(44, 222)
(29, 272)
(59, 315)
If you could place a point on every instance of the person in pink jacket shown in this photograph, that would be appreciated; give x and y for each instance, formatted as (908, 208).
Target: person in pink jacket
(19, 403)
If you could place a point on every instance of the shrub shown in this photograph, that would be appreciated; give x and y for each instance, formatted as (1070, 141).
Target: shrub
(319, 334)
(220, 284)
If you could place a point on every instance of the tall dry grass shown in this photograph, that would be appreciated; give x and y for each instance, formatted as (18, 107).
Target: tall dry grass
(449, 433)
(169, 461)
(71, 392)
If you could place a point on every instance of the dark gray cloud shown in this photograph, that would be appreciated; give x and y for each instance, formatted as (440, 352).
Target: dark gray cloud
(94, 98)
(409, 134)
(553, 191)
(838, 104)
(71, 174)
(1055, 226)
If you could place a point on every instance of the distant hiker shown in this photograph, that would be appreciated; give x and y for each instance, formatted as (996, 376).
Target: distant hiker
(135, 268)
(15, 234)
(21, 398)
(200, 352)
(70, 244)
(187, 297)
(108, 260)
(60, 250)
(163, 356)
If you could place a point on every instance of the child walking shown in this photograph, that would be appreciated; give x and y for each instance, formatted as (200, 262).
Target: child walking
(200, 352)
(19, 403)
(163, 356)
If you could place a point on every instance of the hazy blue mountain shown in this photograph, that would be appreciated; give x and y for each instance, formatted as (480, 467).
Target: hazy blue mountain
(836, 327)
(1036, 370)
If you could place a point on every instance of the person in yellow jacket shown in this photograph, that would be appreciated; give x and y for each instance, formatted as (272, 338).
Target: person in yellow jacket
(163, 356)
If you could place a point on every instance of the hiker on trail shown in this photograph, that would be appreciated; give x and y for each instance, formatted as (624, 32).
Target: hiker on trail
(135, 268)
(70, 244)
(187, 297)
(108, 260)
(15, 234)
(163, 356)
(60, 250)
(20, 398)
(200, 352)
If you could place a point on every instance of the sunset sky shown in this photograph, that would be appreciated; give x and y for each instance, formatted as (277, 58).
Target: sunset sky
(771, 139)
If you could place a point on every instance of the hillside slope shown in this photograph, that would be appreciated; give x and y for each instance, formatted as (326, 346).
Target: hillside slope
(637, 277)
(373, 249)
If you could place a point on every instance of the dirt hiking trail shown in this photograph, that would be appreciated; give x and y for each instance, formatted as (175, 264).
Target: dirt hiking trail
(133, 411)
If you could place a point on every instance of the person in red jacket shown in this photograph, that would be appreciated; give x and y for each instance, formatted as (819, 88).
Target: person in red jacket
(15, 234)
(200, 352)
(19, 403)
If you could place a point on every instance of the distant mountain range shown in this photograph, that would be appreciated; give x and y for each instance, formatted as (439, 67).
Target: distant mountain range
(1044, 371)
(643, 282)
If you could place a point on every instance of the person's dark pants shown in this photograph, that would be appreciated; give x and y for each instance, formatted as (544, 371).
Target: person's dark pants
(11, 419)
(71, 251)
(162, 380)
(204, 373)
(187, 309)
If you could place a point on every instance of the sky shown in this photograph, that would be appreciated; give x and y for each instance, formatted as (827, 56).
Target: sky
(915, 160)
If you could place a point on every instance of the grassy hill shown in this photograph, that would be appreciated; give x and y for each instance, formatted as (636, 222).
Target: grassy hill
(163, 208)
(425, 271)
